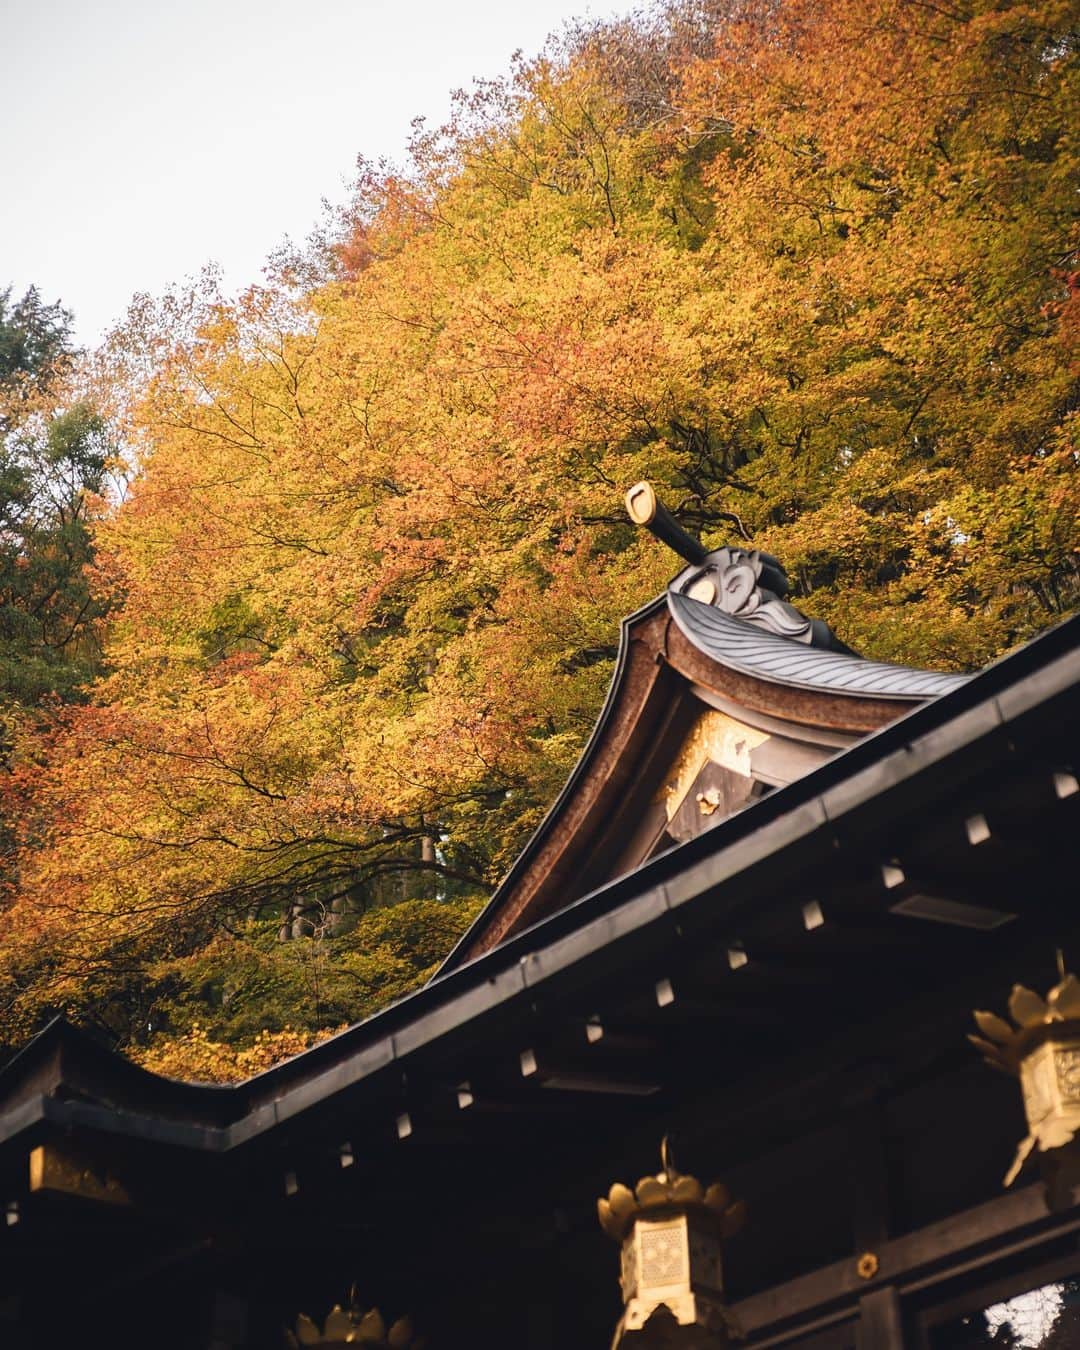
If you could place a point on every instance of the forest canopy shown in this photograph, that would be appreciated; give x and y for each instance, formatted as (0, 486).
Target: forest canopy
(811, 267)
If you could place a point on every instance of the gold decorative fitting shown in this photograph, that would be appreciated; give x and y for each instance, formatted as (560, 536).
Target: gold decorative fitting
(1043, 1051)
(671, 1228)
(867, 1266)
(354, 1326)
(58, 1168)
(708, 801)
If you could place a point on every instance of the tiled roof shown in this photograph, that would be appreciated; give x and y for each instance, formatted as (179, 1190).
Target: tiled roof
(744, 647)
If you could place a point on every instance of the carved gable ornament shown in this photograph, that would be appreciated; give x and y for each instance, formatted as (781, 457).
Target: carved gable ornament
(751, 586)
(746, 584)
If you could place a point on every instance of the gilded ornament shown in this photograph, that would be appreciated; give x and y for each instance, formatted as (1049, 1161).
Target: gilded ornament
(354, 1326)
(1042, 1050)
(745, 583)
(671, 1229)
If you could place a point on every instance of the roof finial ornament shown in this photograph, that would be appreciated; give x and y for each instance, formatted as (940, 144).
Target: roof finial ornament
(748, 585)
(647, 510)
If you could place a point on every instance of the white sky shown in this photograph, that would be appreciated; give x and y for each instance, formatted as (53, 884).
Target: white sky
(146, 138)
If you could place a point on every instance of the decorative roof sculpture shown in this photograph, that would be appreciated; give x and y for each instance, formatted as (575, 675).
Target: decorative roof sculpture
(746, 584)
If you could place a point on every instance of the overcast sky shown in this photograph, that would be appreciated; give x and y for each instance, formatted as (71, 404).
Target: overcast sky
(146, 138)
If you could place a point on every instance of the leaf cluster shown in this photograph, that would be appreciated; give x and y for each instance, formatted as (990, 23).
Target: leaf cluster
(810, 268)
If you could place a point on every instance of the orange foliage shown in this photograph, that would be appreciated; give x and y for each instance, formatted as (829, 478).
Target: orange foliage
(806, 267)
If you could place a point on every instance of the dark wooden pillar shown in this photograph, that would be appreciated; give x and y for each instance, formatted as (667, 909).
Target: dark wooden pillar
(540, 1326)
(880, 1325)
(880, 1321)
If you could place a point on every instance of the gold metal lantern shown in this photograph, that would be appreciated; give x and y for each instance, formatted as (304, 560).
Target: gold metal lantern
(671, 1230)
(354, 1326)
(1043, 1051)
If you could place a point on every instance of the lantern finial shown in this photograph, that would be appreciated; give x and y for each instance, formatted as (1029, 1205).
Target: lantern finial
(354, 1326)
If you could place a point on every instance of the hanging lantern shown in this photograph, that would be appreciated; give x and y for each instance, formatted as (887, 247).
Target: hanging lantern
(1043, 1051)
(671, 1230)
(354, 1326)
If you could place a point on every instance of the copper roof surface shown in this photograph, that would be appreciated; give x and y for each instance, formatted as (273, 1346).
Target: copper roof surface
(741, 645)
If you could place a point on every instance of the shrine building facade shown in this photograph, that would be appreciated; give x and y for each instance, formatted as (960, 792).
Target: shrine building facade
(703, 1073)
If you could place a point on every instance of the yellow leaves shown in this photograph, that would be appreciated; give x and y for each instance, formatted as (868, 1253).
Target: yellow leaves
(375, 560)
(195, 1057)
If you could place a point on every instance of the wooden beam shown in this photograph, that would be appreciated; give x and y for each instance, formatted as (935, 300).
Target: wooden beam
(925, 1257)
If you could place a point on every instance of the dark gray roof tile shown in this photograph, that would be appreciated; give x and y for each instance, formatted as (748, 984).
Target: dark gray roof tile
(744, 647)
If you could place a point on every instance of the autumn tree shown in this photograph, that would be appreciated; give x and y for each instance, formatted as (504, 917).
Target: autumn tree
(811, 267)
(54, 448)
(51, 470)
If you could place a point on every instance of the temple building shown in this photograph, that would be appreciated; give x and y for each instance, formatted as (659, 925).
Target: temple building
(701, 1074)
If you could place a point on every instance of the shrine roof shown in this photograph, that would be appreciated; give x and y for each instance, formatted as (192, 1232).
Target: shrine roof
(1007, 733)
(738, 645)
(720, 636)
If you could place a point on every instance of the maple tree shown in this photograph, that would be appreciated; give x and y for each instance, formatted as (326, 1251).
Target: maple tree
(811, 268)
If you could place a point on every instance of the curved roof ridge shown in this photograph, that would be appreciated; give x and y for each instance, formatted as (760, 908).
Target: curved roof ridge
(751, 650)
